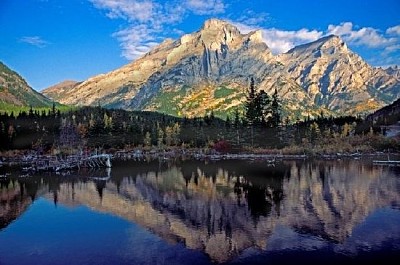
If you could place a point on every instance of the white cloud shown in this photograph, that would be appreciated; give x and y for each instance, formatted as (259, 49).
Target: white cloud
(136, 40)
(132, 10)
(385, 45)
(244, 28)
(343, 29)
(35, 41)
(392, 48)
(366, 36)
(280, 41)
(206, 7)
(394, 30)
(150, 19)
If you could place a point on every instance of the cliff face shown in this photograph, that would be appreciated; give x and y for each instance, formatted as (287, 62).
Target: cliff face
(210, 70)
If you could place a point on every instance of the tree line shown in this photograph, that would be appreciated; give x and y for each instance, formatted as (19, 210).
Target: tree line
(259, 126)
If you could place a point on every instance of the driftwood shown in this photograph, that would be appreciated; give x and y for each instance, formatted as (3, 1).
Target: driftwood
(54, 163)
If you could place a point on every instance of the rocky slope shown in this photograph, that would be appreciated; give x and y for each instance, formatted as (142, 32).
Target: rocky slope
(393, 70)
(58, 91)
(15, 91)
(335, 77)
(210, 70)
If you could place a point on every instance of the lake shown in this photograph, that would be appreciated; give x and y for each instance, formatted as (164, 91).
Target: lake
(203, 212)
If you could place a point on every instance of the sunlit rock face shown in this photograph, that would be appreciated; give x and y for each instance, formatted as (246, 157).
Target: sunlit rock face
(210, 70)
(337, 78)
(224, 209)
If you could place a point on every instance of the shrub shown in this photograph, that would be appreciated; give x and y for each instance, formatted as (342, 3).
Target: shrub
(222, 146)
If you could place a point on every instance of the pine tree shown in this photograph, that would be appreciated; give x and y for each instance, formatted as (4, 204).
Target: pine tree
(228, 122)
(262, 107)
(237, 119)
(258, 106)
(315, 133)
(275, 120)
(250, 105)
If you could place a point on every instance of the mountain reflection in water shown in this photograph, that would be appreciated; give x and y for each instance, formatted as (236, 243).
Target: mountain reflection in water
(226, 208)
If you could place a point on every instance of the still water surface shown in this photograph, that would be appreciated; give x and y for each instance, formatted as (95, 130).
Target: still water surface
(196, 212)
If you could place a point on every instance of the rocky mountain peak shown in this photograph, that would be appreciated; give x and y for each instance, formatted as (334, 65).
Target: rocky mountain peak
(327, 45)
(333, 43)
(215, 23)
(333, 75)
(215, 33)
(256, 36)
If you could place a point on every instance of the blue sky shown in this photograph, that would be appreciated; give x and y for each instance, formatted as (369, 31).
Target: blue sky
(48, 41)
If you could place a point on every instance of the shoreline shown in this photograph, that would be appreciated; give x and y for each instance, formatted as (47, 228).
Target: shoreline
(28, 161)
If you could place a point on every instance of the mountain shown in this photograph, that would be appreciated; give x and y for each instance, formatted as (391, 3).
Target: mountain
(179, 76)
(387, 119)
(58, 91)
(15, 91)
(393, 70)
(390, 113)
(209, 70)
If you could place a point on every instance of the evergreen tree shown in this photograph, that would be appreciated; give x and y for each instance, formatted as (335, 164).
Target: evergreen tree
(30, 112)
(257, 106)
(227, 122)
(262, 107)
(275, 120)
(237, 119)
(250, 105)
